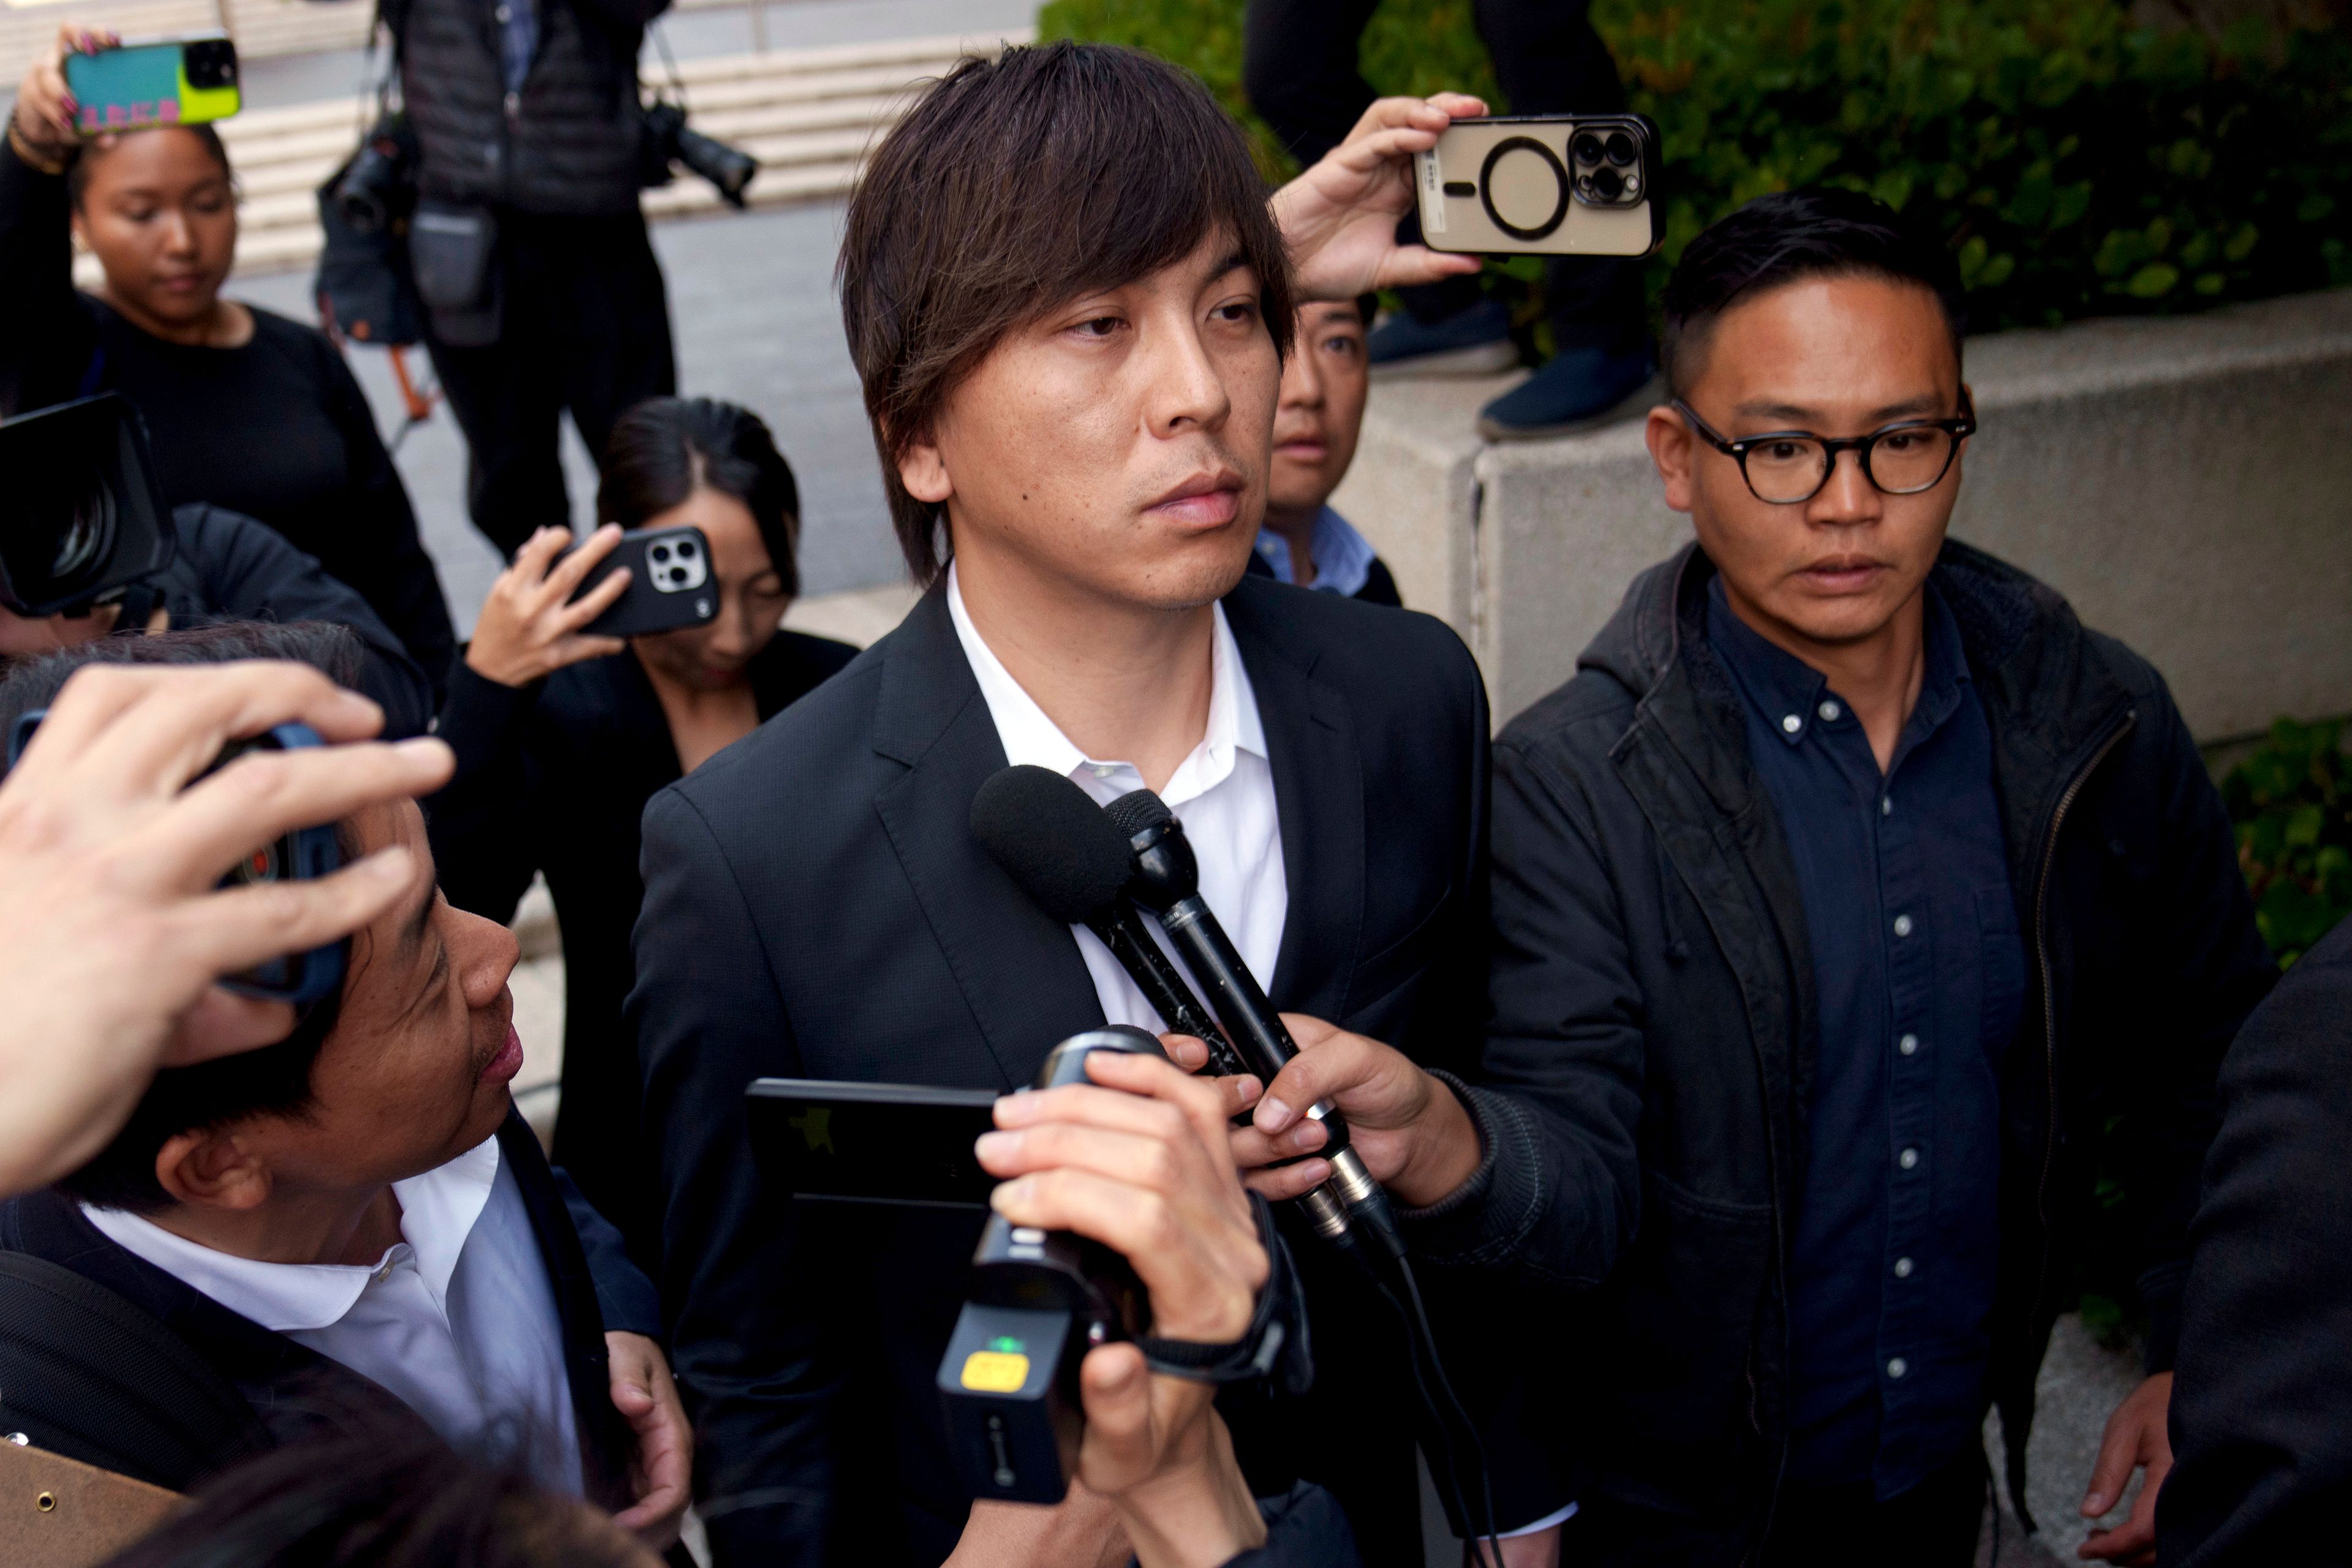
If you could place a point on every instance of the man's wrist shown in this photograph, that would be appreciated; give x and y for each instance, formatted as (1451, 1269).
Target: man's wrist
(1200, 1515)
(1445, 1149)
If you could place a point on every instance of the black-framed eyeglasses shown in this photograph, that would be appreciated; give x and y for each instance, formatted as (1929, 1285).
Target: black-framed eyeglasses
(1789, 466)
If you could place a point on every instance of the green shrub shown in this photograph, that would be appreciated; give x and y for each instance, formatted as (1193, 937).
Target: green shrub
(2292, 803)
(2076, 166)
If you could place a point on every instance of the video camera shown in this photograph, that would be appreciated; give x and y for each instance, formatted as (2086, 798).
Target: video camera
(82, 516)
(1038, 1302)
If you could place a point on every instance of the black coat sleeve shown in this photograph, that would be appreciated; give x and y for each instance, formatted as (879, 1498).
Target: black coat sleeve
(1306, 1529)
(1557, 1193)
(2262, 1421)
(395, 573)
(625, 1296)
(46, 351)
(232, 568)
(746, 1345)
(480, 823)
(2209, 968)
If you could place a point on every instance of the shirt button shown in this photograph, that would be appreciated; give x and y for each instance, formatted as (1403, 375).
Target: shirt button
(1901, 925)
(504, 14)
(1830, 711)
(1791, 724)
(1903, 1268)
(1100, 769)
(1886, 805)
(1898, 1366)
(1908, 1045)
(1908, 1158)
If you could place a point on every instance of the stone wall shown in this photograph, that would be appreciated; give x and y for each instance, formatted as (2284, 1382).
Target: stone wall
(2185, 483)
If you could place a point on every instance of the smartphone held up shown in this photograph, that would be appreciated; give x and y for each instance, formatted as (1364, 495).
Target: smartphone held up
(155, 82)
(1542, 184)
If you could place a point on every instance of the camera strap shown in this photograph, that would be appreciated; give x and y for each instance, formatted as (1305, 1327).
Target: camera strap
(1277, 1336)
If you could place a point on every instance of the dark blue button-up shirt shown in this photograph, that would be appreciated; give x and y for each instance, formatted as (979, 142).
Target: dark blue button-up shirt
(1920, 974)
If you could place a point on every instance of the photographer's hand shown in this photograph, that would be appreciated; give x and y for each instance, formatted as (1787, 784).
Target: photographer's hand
(1140, 1164)
(113, 927)
(43, 122)
(1340, 217)
(527, 631)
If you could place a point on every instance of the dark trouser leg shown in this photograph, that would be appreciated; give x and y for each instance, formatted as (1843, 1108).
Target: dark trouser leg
(1298, 67)
(1551, 61)
(622, 354)
(506, 402)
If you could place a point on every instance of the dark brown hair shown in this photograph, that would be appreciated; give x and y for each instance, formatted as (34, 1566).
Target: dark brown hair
(1018, 183)
(77, 165)
(666, 447)
(274, 1080)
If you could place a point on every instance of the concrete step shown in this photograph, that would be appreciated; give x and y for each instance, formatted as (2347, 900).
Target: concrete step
(809, 116)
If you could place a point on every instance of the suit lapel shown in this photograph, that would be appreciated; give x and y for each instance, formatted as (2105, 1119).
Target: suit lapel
(1319, 793)
(1020, 974)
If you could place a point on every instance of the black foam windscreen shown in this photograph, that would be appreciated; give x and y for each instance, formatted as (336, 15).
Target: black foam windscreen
(1052, 839)
(1137, 810)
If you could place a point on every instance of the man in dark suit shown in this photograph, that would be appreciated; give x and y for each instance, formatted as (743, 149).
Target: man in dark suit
(1075, 393)
(354, 1221)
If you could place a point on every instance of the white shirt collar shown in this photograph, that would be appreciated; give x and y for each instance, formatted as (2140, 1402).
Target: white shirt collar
(1031, 738)
(437, 1212)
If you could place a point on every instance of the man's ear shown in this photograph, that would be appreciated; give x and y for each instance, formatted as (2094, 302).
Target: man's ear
(924, 472)
(213, 1169)
(1670, 449)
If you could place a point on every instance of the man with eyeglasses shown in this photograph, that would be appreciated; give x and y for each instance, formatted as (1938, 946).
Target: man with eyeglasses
(1856, 911)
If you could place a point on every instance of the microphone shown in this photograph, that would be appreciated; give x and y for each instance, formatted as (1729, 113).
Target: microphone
(1055, 842)
(1166, 879)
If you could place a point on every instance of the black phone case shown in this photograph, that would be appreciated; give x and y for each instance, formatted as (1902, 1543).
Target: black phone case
(671, 585)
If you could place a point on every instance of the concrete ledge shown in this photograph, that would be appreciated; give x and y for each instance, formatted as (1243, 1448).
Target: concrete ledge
(2187, 484)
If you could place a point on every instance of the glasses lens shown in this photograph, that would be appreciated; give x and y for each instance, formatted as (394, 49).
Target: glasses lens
(1786, 468)
(1904, 461)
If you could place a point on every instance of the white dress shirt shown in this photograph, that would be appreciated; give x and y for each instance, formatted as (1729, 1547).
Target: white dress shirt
(1223, 791)
(457, 1319)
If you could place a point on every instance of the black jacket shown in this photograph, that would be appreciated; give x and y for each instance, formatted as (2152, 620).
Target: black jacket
(2262, 1397)
(553, 778)
(297, 1394)
(569, 144)
(276, 428)
(815, 906)
(231, 568)
(1652, 990)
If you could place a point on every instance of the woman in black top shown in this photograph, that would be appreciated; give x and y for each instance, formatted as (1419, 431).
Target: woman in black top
(561, 738)
(245, 410)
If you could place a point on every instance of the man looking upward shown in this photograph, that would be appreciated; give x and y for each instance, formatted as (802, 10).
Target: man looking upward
(1068, 298)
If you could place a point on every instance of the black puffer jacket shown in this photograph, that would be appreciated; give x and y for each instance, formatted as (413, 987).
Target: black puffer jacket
(1652, 993)
(567, 144)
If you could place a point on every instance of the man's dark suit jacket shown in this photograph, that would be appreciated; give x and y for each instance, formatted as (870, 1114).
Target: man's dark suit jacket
(816, 907)
(297, 1394)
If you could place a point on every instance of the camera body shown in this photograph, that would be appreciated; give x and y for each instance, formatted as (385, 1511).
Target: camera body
(667, 141)
(1539, 184)
(377, 189)
(83, 516)
(1038, 1302)
(304, 855)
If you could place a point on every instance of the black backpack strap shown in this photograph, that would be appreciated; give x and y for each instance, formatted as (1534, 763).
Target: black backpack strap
(86, 1374)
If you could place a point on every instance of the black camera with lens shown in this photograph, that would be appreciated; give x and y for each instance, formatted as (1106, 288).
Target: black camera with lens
(82, 516)
(669, 142)
(378, 187)
(209, 62)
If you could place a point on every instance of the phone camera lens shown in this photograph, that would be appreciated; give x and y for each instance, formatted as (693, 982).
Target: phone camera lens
(686, 550)
(659, 553)
(1587, 148)
(1609, 184)
(1619, 148)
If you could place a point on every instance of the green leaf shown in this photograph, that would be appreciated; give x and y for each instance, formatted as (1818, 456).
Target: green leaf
(2314, 206)
(1972, 260)
(1893, 188)
(2241, 244)
(1996, 271)
(2153, 281)
(2210, 284)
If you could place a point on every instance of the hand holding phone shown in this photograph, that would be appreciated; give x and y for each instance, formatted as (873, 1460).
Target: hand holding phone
(143, 86)
(1542, 184)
